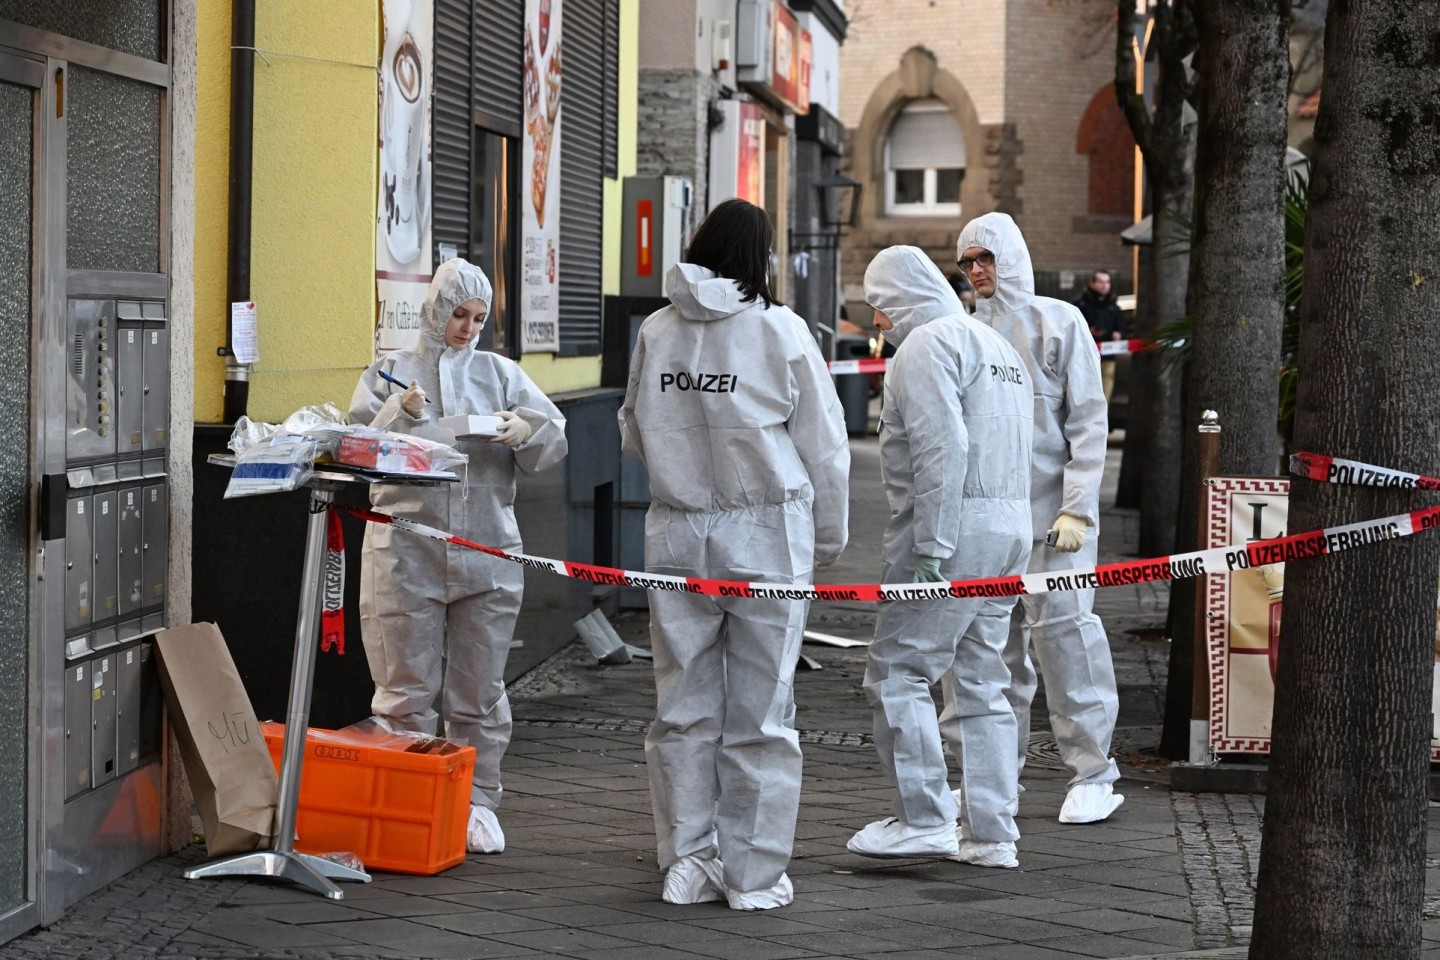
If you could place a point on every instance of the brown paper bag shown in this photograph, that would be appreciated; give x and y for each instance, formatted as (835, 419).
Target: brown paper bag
(226, 761)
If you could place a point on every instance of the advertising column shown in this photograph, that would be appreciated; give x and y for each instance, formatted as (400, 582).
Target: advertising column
(402, 217)
(540, 166)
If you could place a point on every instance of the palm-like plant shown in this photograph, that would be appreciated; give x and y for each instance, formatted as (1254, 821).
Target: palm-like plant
(1296, 206)
(1175, 338)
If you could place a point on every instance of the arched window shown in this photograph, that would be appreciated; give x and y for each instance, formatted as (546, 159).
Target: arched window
(1105, 137)
(924, 161)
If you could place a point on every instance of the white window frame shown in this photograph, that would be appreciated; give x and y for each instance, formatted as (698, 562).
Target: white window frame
(928, 207)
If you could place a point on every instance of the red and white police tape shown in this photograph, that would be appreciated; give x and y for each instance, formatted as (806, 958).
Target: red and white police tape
(1298, 546)
(1114, 348)
(876, 365)
(1317, 466)
(1109, 348)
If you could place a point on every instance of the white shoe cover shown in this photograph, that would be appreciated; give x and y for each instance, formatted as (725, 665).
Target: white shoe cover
(780, 895)
(693, 880)
(484, 835)
(893, 837)
(984, 853)
(1090, 803)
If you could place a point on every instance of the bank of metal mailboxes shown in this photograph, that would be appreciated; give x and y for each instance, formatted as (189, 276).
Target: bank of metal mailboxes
(118, 396)
(112, 715)
(115, 558)
(116, 530)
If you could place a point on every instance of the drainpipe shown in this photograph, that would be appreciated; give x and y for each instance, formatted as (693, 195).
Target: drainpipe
(242, 128)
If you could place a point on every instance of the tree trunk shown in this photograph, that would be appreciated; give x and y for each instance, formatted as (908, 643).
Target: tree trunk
(1237, 280)
(1167, 143)
(1171, 271)
(1130, 488)
(1342, 867)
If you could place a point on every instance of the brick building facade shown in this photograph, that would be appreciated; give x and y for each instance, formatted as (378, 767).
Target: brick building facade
(1029, 85)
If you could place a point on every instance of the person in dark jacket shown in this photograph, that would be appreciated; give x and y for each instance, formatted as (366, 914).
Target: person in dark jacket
(1106, 322)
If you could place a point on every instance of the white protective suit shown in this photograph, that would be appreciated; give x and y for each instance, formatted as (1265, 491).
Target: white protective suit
(955, 453)
(421, 598)
(1069, 460)
(733, 413)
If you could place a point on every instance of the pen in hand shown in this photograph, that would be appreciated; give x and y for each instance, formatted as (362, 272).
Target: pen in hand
(396, 381)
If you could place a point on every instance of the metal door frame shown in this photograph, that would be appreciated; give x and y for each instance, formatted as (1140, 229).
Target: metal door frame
(25, 49)
(29, 73)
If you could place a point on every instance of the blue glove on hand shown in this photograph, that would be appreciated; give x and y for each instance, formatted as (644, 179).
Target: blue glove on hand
(927, 570)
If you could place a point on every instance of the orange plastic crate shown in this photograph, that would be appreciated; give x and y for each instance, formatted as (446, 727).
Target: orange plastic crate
(396, 809)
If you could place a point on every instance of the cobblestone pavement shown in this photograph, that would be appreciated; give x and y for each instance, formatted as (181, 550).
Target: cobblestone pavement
(1167, 875)
(1220, 851)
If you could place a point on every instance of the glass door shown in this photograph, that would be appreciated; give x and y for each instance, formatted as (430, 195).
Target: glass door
(19, 94)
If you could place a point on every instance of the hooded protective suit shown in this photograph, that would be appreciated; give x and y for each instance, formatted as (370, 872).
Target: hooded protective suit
(420, 597)
(955, 453)
(730, 408)
(1071, 425)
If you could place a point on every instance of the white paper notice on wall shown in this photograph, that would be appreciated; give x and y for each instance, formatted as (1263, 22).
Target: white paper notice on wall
(244, 333)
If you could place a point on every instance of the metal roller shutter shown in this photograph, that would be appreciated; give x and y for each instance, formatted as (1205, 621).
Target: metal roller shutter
(451, 124)
(611, 131)
(499, 48)
(581, 163)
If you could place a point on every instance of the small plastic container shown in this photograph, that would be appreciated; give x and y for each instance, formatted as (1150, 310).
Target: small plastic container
(398, 803)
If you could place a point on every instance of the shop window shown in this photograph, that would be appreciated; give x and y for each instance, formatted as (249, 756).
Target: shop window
(495, 238)
(924, 161)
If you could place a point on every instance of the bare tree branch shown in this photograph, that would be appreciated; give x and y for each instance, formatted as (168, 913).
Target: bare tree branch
(1132, 103)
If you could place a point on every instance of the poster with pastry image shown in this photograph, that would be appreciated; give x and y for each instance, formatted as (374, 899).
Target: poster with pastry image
(543, 75)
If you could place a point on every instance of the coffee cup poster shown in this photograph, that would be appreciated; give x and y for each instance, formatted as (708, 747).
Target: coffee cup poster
(540, 165)
(402, 217)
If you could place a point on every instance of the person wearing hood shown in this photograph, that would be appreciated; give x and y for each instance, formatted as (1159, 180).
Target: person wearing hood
(1071, 425)
(955, 454)
(731, 410)
(422, 600)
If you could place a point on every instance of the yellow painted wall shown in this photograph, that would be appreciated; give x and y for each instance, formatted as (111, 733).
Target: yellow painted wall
(628, 75)
(558, 374)
(312, 261)
(313, 189)
(212, 171)
(313, 245)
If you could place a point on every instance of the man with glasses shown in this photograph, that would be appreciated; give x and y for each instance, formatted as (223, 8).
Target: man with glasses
(1070, 429)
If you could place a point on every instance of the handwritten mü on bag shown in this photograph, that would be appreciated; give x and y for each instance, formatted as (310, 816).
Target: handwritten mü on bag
(225, 757)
